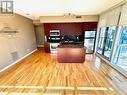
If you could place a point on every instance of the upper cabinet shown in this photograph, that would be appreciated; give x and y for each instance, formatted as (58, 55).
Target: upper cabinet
(65, 28)
(90, 25)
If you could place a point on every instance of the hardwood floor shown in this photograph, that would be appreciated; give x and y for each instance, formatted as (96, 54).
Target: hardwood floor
(41, 74)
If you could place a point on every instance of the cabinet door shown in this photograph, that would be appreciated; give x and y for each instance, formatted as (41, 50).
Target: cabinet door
(47, 47)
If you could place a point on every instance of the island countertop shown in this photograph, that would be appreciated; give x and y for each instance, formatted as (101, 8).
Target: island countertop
(70, 46)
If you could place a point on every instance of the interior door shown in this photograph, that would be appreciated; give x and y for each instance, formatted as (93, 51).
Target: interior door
(89, 41)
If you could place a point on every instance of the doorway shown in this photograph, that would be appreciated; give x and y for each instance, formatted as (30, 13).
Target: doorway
(39, 33)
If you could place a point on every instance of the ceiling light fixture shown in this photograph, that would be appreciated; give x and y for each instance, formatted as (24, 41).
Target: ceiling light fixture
(69, 15)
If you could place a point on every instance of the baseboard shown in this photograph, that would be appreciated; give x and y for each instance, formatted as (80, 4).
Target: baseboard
(120, 70)
(40, 45)
(17, 61)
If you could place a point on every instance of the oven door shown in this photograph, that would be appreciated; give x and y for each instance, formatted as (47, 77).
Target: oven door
(53, 47)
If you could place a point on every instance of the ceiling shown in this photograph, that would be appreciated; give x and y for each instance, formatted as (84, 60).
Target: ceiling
(35, 8)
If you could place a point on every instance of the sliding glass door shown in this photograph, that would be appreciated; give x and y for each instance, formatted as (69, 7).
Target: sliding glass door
(89, 41)
(101, 40)
(105, 41)
(109, 37)
(120, 58)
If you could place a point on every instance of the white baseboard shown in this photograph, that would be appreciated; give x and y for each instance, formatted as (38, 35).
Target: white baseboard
(40, 45)
(17, 61)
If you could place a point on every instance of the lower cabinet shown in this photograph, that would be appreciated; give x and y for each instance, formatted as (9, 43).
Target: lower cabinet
(47, 47)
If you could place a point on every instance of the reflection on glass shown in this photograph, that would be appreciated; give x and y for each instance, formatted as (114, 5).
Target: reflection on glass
(89, 41)
(89, 34)
(123, 38)
(120, 58)
(110, 33)
(101, 40)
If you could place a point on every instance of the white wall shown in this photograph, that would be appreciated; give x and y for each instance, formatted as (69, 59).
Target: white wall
(21, 43)
(109, 18)
(123, 19)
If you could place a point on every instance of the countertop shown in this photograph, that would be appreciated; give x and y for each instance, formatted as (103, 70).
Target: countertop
(70, 46)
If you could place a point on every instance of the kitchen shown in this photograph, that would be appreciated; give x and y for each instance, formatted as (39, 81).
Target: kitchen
(65, 33)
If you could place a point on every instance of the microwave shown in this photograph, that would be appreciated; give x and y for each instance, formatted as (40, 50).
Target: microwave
(54, 32)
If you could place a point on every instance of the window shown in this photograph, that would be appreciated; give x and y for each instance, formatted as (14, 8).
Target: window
(120, 58)
(101, 40)
(110, 35)
(105, 41)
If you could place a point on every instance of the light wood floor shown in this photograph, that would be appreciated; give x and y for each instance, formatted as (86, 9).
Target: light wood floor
(41, 74)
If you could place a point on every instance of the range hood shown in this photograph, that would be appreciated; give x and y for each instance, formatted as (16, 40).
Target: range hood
(8, 30)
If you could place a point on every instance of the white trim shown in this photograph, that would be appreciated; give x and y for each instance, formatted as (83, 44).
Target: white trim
(40, 45)
(114, 66)
(17, 61)
(97, 37)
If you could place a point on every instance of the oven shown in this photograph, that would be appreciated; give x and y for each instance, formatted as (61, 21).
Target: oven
(54, 40)
(53, 47)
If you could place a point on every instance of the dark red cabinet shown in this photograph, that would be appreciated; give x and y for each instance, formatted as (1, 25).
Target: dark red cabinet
(65, 28)
(47, 47)
(90, 26)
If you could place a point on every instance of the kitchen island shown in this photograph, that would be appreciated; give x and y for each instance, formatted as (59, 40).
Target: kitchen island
(71, 53)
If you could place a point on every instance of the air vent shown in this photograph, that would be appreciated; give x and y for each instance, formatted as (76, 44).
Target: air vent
(78, 17)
